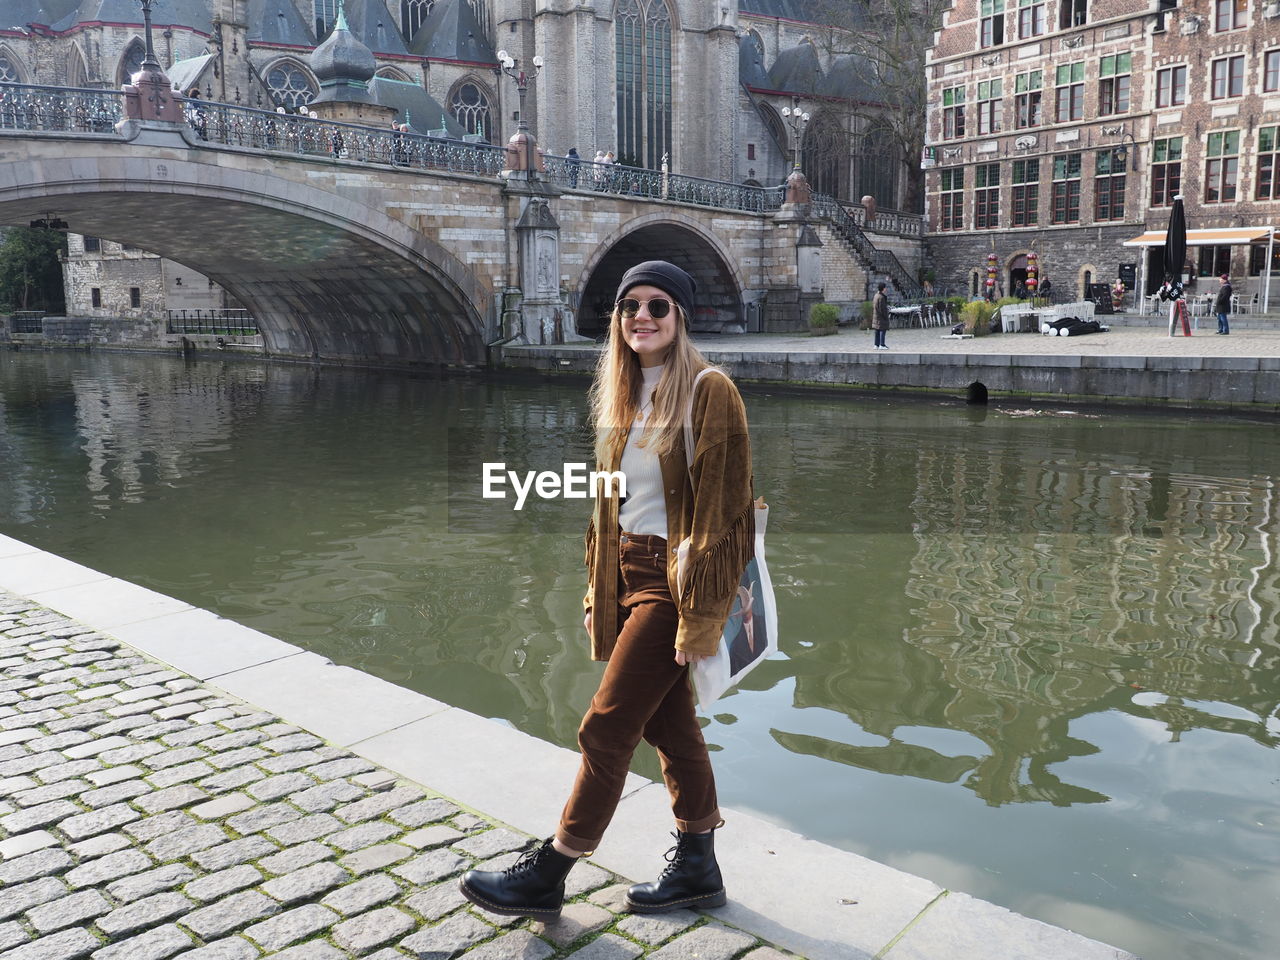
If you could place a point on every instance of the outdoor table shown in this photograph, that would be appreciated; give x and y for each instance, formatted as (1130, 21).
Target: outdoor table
(905, 312)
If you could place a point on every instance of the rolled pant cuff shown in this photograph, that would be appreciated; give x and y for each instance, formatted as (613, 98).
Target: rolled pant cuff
(698, 826)
(579, 844)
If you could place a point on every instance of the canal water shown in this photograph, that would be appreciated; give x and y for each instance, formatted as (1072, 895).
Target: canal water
(1031, 655)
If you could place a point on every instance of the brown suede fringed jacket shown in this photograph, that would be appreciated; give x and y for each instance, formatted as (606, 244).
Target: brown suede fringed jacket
(716, 510)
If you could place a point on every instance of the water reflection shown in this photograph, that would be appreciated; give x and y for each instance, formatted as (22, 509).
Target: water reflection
(1007, 640)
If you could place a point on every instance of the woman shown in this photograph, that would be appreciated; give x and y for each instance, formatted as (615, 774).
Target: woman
(639, 620)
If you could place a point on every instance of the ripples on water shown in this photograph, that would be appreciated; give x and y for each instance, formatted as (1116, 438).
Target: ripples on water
(1033, 658)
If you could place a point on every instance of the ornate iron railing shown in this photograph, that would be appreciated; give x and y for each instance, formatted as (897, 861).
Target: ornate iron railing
(256, 129)
(621, 180)
(880, 262)
(59, 109)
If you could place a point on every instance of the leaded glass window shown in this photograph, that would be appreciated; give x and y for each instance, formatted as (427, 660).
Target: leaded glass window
(824, 156)
(643, 81)
(470, 107)
(879, 165)
(8, 71)
(289, 85)
(413, 13)
(481, 9)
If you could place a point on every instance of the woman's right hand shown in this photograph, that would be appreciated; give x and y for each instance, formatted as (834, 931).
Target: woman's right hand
(586, 622)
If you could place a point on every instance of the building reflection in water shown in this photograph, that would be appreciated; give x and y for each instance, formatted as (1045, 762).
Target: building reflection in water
(1039, 590)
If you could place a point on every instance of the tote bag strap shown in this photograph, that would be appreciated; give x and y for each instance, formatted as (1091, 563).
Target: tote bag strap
(688, 420)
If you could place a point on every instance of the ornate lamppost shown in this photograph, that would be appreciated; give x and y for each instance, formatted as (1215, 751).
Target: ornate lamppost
(522, 144)
(149, 94)
(795, 119)
(798, 189)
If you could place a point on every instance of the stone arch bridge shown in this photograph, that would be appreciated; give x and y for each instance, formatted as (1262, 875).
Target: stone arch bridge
(361, 245)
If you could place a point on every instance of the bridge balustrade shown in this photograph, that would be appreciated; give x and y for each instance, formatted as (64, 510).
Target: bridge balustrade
(59, 109)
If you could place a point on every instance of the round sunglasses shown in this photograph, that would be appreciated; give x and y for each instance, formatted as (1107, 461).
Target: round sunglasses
(659, 307)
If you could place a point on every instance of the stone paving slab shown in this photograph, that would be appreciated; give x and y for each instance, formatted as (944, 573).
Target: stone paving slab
(234, 832)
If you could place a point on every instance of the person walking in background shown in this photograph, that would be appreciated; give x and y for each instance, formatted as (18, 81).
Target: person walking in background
(1222, 305)
(574, 163)
(880, 315)
(640, 620)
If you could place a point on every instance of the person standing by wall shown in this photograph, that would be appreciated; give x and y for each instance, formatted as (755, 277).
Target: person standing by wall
(1222, 305)
(880, 316)
(646, 622)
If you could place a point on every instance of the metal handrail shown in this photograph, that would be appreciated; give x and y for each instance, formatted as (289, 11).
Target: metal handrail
(25, 106)
(621, 180)
(882, 262)
(237, 126)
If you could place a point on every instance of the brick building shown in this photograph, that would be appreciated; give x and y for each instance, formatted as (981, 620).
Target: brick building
(1066, 127)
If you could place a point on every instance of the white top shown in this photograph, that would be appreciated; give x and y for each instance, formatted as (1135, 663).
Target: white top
(645, 509)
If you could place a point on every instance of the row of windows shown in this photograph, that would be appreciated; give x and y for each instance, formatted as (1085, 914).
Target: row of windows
(1225, 78)
(1030, 19)
(95, 297)
(1110, 175)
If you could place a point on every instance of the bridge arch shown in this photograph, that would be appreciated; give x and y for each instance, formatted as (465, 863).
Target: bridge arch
(327, 277)
(662, 236)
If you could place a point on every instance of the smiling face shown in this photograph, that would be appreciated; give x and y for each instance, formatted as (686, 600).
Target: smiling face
(650, 337)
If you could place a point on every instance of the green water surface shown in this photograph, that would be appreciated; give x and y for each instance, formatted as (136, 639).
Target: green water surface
(1031, 655)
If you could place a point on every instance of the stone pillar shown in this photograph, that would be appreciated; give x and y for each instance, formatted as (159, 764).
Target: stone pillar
(787, 302)
(543, 315)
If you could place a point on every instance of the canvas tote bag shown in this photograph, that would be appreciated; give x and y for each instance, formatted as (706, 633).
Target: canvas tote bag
(751, 632)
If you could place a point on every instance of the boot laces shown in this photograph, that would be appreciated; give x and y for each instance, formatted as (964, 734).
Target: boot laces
(674, 857)
(528, 861)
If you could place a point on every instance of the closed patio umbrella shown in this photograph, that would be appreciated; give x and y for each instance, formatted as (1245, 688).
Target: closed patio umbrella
(1175, 255)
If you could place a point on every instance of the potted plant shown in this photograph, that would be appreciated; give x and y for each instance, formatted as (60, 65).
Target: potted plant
(864, 315)
(976, 316)
(822, 319)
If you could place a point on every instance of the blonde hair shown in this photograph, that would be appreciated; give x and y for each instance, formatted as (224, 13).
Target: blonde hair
(615, 393)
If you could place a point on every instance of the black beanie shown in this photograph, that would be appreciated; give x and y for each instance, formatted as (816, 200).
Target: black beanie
(666, 277)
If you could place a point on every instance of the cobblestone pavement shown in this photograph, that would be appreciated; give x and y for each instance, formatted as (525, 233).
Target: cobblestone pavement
(145, 816)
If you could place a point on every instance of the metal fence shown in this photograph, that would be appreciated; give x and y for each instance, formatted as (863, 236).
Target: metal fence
(27, 321)
(223, 323)
(59, 109)
(301, 135)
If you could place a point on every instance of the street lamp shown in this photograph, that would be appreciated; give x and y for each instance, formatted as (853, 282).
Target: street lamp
(795, 119)
(1123, 153)
(511, 67)
(149, 60)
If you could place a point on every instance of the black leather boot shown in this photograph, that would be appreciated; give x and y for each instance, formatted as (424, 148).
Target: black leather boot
(533, 886)
(691, 879)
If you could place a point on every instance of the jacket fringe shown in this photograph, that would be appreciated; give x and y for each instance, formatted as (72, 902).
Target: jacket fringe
(714, 576)
(589, 545)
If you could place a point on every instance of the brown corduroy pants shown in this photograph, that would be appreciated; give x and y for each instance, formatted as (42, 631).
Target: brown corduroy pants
(643, 694)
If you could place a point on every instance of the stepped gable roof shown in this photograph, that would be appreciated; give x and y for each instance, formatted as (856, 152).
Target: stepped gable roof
(343, 65)
(412, 101)
(852, 77)
(751, 69)
(797, 70)
(278, 21)
(451, 32)
(371, 22)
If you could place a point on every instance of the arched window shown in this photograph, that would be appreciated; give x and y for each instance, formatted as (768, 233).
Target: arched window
(469, 105)
(290, 85)
(77, 72)
(391, 73)
(879, 164)
(326, 13)
(413, 13)
(825, 157)
(131, 62)
(778, 132)
(9, 72)
(643, 81)
(757, 41)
